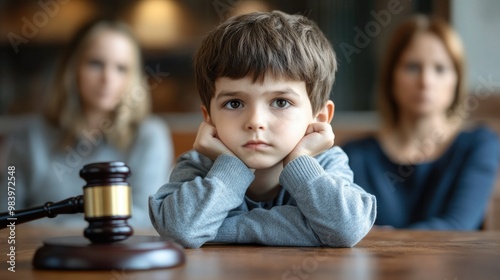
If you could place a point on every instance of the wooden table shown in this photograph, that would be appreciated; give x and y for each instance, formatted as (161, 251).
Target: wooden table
(381, 255)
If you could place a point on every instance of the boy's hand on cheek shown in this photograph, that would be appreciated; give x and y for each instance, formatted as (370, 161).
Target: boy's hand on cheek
(208, 144)
(319, 137)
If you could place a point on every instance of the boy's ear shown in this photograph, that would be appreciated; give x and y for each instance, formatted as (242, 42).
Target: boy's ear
(326, 113)
(206, 115)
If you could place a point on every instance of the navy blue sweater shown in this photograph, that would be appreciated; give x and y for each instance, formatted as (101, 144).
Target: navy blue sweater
(450, 193)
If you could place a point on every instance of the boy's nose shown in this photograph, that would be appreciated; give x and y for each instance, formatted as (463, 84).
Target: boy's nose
(256, 120)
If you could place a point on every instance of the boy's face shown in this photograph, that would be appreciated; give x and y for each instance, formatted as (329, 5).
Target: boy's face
(261, 123)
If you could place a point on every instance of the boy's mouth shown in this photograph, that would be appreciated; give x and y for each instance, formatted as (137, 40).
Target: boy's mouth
(256, 145)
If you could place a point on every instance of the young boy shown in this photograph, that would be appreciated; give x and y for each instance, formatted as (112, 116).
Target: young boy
(263, 169)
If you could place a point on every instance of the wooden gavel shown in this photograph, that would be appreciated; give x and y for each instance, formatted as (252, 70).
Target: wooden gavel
(106, 203)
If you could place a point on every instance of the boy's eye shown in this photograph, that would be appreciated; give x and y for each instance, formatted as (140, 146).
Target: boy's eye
(280, 103)
(233, 104)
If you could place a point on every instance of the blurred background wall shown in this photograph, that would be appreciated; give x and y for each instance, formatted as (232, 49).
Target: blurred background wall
(34, 32)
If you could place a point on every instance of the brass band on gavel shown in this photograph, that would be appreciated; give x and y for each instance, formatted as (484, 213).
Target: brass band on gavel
(105, 201)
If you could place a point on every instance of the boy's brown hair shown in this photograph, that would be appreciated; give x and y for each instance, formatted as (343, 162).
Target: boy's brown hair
(267, 43)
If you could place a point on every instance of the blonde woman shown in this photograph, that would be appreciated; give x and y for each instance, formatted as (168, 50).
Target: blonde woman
(427, 170)
(98, 110)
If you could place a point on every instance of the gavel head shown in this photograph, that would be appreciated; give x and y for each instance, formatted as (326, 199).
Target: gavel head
(107, 201)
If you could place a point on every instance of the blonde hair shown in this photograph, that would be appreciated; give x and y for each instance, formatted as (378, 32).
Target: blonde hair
(400, 40)
(267, 43)
(65, 109)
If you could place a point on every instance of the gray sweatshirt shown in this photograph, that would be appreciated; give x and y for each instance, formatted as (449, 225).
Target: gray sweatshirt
(318, 205)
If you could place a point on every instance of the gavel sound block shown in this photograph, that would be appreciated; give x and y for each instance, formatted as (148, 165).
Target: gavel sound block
(106, 204)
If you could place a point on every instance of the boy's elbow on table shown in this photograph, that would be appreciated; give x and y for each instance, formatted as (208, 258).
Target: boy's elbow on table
(355, 226)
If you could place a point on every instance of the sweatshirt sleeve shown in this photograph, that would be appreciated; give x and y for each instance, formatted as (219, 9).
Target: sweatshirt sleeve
(192, 206)
(330, 209)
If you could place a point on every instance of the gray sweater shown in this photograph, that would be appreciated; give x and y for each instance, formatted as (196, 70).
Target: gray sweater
(318, 205)
(46, 173)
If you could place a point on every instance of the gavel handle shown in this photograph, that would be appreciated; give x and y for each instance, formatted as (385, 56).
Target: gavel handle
(68, 206)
